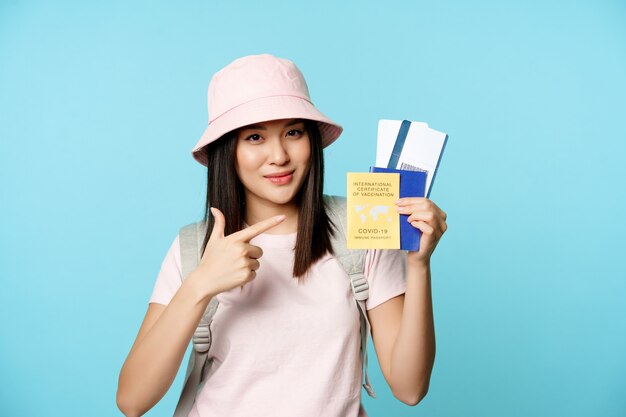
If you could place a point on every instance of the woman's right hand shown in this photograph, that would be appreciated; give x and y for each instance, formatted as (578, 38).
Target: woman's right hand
(230, 261)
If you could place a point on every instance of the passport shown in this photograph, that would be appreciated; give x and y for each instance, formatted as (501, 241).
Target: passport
(412, 184)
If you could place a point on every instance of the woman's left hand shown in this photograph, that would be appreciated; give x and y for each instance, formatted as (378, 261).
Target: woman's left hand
(427, 217)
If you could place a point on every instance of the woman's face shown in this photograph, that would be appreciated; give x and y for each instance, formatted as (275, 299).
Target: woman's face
(272, 160)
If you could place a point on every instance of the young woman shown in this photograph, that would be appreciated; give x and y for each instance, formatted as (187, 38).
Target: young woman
(285, 337)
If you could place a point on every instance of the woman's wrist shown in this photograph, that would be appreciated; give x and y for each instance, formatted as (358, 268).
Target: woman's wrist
(419, 265)
(197, 288)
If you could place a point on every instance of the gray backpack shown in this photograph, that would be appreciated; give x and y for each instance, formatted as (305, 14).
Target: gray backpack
(352, 260)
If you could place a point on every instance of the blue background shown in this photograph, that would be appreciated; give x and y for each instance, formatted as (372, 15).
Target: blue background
(101, 103)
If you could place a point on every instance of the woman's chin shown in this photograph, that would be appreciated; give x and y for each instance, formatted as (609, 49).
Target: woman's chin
(283, 198)
(279, 197)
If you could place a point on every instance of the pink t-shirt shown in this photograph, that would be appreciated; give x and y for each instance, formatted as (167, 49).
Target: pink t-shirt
(284, 348)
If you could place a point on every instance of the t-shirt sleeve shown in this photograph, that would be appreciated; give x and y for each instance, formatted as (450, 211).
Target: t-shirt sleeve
(385, 270)
(170, 276)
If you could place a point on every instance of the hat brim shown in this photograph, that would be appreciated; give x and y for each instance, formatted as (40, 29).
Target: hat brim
(262, 110)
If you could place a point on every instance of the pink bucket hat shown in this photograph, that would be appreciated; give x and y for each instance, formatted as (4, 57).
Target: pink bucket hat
(255, 89)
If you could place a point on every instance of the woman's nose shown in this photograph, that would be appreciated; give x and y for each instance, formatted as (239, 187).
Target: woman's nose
(278, 152)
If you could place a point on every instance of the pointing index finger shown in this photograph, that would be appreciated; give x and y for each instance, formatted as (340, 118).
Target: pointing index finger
(251, 232)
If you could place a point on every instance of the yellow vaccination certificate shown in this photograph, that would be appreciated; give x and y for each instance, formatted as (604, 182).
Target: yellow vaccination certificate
(373, 222)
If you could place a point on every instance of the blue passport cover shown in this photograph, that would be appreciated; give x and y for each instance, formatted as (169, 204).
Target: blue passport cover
(412, 184)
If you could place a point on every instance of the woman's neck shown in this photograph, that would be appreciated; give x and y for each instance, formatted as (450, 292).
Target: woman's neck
(257, 211)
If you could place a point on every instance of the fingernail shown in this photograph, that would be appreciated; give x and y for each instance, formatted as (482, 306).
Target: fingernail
(281, 217)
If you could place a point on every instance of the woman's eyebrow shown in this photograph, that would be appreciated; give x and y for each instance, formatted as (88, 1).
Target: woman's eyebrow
(261, 127)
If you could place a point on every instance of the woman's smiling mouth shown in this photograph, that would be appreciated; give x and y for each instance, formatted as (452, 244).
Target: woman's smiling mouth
(280, 178)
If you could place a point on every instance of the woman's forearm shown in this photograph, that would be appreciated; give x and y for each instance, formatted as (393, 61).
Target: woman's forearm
(156, 356)
(413, 353)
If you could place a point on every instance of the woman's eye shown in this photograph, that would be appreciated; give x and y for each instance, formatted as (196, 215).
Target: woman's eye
(253, 138)
(294, 132)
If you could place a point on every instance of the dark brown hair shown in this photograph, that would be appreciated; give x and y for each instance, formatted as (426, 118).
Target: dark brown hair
(225, 192)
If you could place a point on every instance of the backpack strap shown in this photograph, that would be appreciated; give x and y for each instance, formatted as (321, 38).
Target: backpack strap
(191, 238)
(353, 262)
